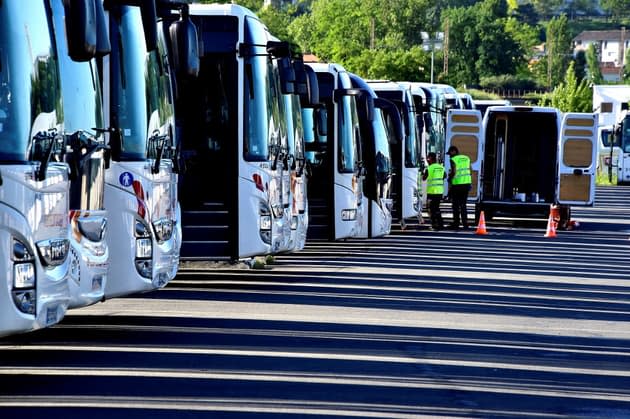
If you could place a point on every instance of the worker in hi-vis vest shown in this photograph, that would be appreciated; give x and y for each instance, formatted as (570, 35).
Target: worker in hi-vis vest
(460, 179)
(434, 174)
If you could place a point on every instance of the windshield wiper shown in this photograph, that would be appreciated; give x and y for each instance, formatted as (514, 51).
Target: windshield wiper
(82, 145)
(159, 143)
(43, 148)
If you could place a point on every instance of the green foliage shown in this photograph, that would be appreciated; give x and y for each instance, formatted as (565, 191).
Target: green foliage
(483, 34)
(480, 94)
(571, 95)
(594, 73)
(559, 50)
(580, 65)
(626, 68)
(277, 20)
(409, 65)
(545, 8)
(463, 41)
(616, 8)
(374, 38)
(507, 82)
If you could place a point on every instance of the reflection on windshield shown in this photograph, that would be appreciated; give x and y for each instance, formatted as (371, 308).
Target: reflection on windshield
(265, 126)
(82, 111)
(625, 135)
(159, 100)
(30, 97)
(349, 135)
(381, 146)
(296, 133)
(129, 87)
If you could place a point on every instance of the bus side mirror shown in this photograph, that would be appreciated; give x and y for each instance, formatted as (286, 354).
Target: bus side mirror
(148, 12)
(306, 84)
(368, 102)
(420, 123)
(287, 76)
(103, 46)
(320, 117)
(185, 45)
(81, 23)
(428, 121)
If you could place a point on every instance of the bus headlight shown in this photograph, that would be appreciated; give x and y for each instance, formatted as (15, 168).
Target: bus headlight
(93, 230)
(24, 275)
(20, 251)
(53, 252)
(23, 292)
(265, 222)
(349, 214)
(144, 250)
(24, 301)
(163, 229)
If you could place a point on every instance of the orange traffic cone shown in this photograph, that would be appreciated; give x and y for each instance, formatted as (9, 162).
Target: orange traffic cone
(481, 227)
(551, 227)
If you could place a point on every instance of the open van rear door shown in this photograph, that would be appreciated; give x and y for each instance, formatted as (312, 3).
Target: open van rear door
(577, 159)
(464, 131)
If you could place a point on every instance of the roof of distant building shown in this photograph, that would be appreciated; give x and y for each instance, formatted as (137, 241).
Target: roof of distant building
(613, 35)
(310, 58)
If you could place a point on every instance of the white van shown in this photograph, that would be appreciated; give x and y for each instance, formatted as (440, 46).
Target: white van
(525, 158)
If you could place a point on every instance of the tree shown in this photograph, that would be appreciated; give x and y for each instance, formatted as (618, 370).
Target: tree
(571, 95)
(616, 8)
(594, 73)
(363, 35)
(463, 43)
(546, 8)
(481, 34)
(626, 68)
(277, 20)
(559, 50)
(580, 65)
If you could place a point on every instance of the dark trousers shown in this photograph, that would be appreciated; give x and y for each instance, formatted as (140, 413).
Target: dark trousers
(434, 210)
(459, 196)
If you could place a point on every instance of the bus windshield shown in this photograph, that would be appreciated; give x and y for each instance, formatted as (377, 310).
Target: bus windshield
(129, 84)
(625, 135)
(160, 106)
(30, 96)
(296, 135)
(265, 125)
(349, 135)
(83, 112)
(381, 147)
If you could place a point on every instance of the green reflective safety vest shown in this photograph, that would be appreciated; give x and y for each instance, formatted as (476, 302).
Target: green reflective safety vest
(462, 170)
(435, 179)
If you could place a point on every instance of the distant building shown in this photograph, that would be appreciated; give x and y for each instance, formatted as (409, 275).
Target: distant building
(277, 3)
(611, 49)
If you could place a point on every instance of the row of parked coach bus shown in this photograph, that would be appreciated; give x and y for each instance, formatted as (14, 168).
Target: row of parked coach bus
(135, 134)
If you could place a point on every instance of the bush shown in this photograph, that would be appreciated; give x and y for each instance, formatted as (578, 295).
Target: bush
(508, 82)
